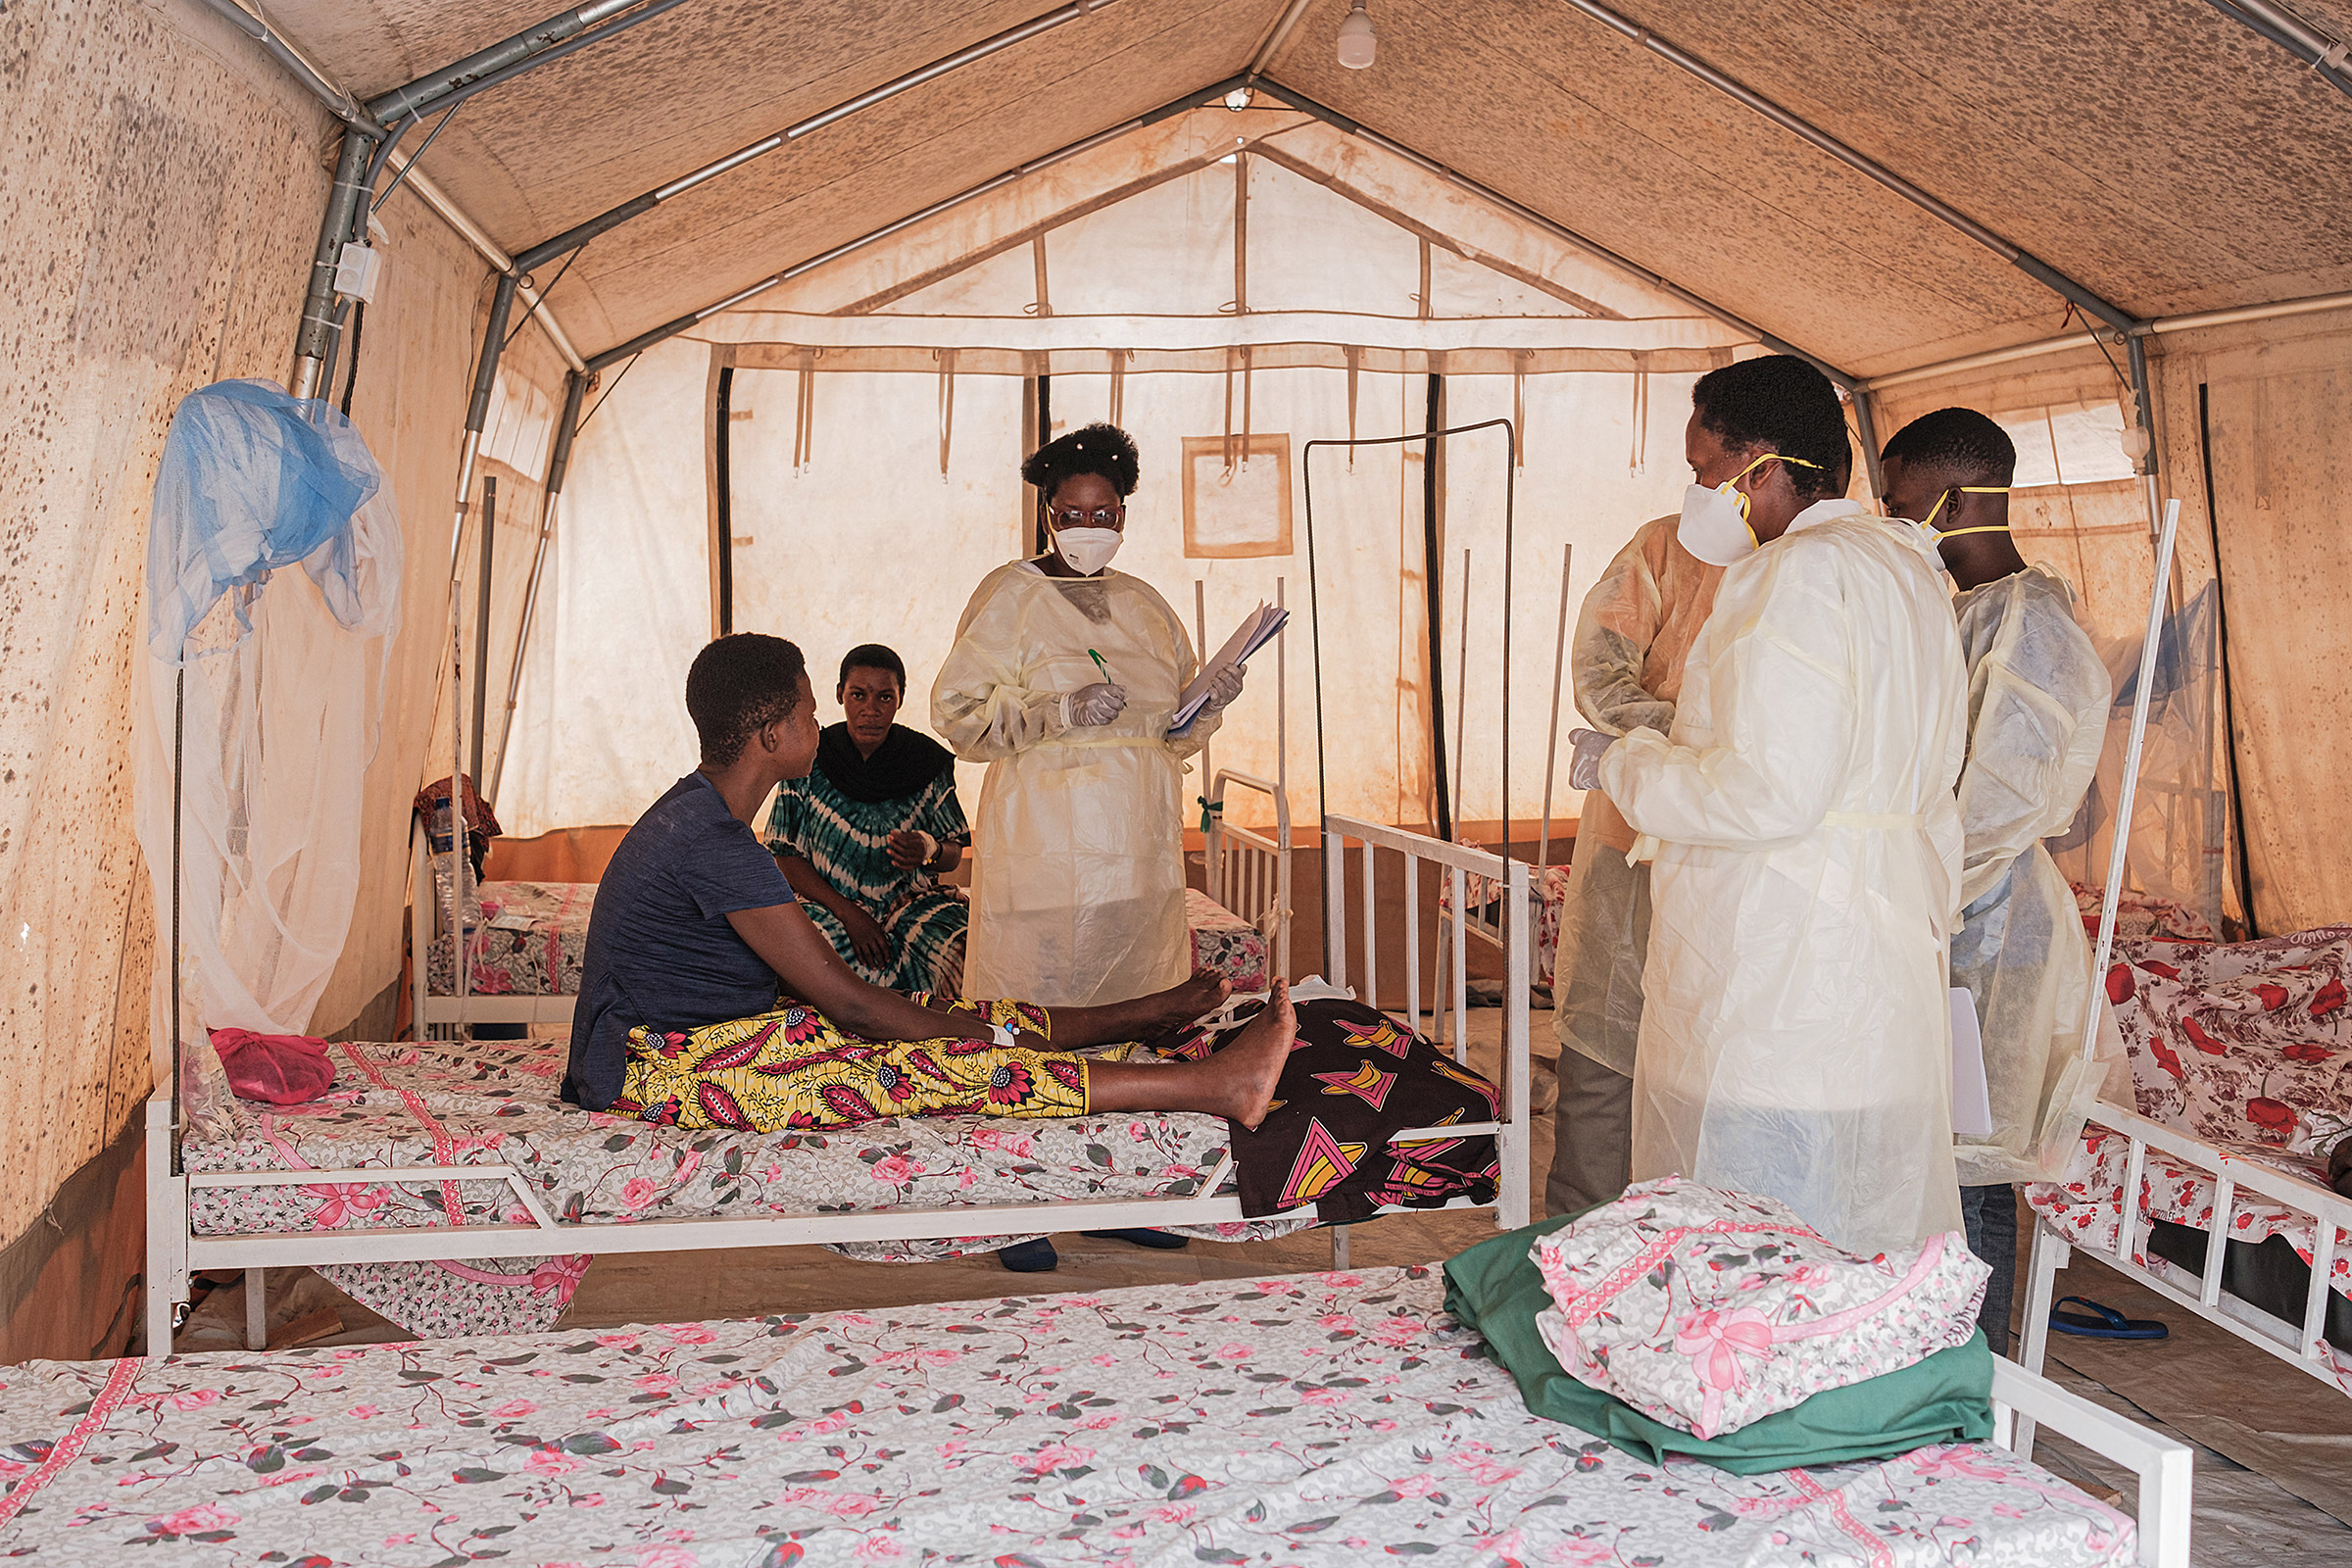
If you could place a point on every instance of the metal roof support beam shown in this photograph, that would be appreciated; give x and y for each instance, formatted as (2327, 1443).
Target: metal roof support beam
(672, 329)
(2032, 265)
(1526, 215)
(573, 238)
(2330, 58)
(372, 131)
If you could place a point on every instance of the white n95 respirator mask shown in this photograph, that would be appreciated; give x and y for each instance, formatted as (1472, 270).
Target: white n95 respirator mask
(1087, 549)
(1714, 525)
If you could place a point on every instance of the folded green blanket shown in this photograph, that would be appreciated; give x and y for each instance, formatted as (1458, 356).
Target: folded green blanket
(1947, 1398)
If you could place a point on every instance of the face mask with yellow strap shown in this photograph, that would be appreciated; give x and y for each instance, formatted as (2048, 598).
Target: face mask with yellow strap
(1927, 524)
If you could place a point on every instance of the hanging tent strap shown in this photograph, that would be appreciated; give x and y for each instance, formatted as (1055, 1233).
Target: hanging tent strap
(1551, 740)
(947, 406)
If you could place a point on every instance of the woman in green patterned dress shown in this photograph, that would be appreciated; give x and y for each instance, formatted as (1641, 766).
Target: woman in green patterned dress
(864, 836)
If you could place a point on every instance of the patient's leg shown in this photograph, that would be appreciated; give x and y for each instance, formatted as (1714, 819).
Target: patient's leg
(1143, 1019)
(1238, 1081)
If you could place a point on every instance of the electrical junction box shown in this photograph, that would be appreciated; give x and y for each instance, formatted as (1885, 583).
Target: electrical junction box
(357, 271)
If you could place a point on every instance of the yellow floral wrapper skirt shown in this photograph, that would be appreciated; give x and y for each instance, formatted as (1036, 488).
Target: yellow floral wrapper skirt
(794, 1068)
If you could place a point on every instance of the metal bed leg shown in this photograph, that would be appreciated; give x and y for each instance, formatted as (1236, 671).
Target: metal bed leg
(2050, 1254)
(1338, 1246)
(257, 1309)
(167, 1230)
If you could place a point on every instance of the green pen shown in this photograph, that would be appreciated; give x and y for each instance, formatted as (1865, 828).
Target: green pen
(1098, 664)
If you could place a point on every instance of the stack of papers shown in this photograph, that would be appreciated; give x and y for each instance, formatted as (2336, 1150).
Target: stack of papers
(1258, 628)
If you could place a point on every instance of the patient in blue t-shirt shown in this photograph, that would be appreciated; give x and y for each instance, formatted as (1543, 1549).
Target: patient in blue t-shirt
(695, 927)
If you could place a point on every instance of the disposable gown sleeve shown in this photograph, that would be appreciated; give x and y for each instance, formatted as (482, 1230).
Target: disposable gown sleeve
(1614, 629)
(982, 705)
(1784, 712)
(2037, 705)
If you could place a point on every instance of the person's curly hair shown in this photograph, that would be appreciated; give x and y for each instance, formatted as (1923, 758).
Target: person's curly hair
(737, 686)
(1783, 405)
(1104, 450)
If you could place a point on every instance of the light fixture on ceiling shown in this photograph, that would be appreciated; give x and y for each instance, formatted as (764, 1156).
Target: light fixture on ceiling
(1356, 41)
(1238, 99)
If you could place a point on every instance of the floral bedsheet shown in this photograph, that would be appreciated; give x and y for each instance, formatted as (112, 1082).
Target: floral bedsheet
(1224, 942)
(495, 1103)
(1316, 1420)
(527, 942)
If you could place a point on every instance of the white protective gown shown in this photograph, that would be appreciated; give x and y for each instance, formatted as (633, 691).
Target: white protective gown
(1078, 887)
(1805, 846)
(2037, 698)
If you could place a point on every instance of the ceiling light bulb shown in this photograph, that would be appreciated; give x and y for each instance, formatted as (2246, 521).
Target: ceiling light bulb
(1238, 99)
(1355, 38)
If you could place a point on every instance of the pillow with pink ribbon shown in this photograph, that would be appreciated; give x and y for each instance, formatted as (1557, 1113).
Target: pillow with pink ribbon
(1707, 1309)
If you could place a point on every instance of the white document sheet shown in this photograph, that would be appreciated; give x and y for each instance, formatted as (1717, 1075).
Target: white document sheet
(1971, 1096)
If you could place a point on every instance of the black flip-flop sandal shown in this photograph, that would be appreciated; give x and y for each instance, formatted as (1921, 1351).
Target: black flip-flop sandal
(2104, 1323)
(1157, 1241)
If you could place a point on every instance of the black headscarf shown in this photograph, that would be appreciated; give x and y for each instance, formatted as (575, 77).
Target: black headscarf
(904, 764)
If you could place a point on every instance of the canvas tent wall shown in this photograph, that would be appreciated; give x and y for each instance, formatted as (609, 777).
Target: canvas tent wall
(1899, 184)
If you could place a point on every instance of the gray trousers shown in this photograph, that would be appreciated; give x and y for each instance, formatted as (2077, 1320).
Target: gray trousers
(1593, 1137)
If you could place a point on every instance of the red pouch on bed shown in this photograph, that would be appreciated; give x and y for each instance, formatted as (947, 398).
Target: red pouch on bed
(278, 1069)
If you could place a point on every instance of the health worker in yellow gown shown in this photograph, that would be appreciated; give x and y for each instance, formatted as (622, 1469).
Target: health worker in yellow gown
(1064, 679)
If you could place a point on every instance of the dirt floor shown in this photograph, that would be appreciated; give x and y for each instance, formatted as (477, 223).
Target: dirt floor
(2274, 1446)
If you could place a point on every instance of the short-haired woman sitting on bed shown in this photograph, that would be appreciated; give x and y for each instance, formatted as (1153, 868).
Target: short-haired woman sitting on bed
(695, 937)
(865, 834)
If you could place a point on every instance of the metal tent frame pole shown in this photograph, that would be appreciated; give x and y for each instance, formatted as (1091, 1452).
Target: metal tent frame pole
(558, 464)
(672, 329)
(2330, 58)
(1560, 231)
(375, 127)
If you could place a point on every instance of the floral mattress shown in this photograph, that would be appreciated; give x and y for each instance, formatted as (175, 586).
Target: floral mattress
(1319, 1420)
(495, 1103)
(527, 942)
(2246, 1048)
(1225, 943)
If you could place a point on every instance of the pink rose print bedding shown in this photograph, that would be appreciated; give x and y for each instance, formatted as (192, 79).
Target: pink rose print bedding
(1324, 1421)
(526, 941)
(449, 1103)
(1707, 1309)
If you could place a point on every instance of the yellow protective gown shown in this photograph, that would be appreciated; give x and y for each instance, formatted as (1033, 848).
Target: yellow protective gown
(1797, 1034)
(2037, 698)
(1078, 889)
(1633, 637)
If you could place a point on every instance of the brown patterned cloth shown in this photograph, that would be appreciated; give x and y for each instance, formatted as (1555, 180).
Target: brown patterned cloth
(480, 818)
(1354, 1077)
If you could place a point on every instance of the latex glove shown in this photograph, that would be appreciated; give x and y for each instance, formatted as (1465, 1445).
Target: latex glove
(1584, 764)
(1223, 690)
(1098, 704)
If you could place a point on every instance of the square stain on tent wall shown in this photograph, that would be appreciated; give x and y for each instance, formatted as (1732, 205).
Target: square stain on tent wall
(1237, 496)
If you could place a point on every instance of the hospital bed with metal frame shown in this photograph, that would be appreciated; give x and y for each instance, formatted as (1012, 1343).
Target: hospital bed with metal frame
(174, 1250)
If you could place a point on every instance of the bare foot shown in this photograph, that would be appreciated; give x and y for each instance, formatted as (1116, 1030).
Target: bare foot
(1244, 1073)
(1178, 1006)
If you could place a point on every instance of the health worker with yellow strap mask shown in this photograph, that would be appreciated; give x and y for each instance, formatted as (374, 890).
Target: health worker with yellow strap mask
(1063, 677)
(2037, 701)
(1803, 840)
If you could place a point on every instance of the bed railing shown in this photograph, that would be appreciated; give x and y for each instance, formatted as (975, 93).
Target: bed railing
(2301, 1346)
(2022, 1399)
(1249, 872)
(1456, 864)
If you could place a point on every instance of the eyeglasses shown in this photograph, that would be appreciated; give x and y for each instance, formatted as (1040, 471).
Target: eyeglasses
(1073, 518)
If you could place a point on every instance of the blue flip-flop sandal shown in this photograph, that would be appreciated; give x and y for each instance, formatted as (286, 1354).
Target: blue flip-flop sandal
(2104, 1323)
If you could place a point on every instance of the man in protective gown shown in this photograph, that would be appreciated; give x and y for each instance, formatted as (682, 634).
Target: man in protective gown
(1805, 845)
(2037, 701)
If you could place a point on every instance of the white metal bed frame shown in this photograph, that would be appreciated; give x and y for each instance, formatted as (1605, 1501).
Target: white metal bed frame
(174, 1251)
(2300, 1346)
(2024, 1401)
(428, 1012)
